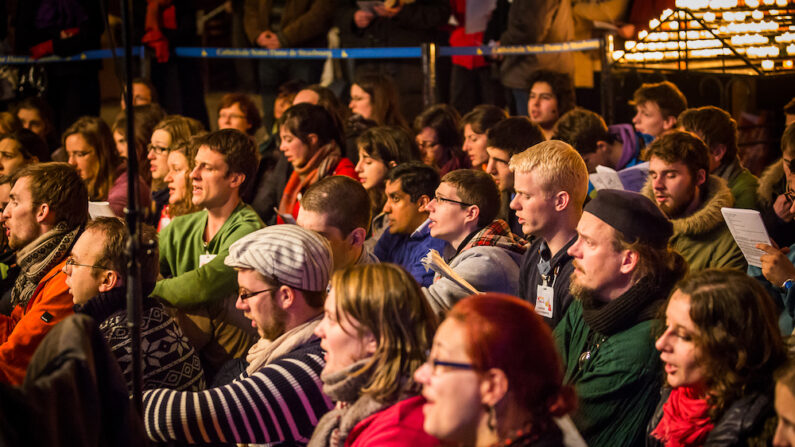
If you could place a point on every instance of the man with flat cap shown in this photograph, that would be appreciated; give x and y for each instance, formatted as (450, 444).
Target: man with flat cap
(283, 272)
(624, 270)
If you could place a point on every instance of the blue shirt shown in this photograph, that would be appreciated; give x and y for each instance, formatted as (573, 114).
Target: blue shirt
(407, 251)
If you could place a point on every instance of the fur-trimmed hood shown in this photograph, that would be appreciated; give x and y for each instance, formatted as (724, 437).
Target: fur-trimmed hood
(708, 216)
(770, 183)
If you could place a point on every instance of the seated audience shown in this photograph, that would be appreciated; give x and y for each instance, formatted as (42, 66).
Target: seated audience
(312, 142)
(475, 124)
(380, 149)
(283, 272)
(657, 106)
(376, 332)
(719, 131)
(493, 377)
(407, 238)
(47, 210)
(145, 118)
(506, 139)
(19, 149)
(550, 180)
(720, 348)
(487, 255)
(624, 270)
(439, 140)
(96, 273)
(691, 198)
(193, 247)
(89, 146)
(238, 111)
(551, 95)
(776, 193)
(338, 208)
(324, 96)
(375, 97)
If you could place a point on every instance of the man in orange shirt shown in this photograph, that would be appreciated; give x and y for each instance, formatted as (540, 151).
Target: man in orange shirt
(47, 210)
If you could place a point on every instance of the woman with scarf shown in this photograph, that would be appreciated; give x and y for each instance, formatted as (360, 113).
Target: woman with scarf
(311, 140)
(494, 378)
(720, 347)
(376, 331)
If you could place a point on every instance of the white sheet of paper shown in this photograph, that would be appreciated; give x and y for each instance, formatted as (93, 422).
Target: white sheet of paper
(748, 230)
(100, 209)
(606, 178)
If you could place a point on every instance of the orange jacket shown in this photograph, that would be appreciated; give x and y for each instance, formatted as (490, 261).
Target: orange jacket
(21, 333)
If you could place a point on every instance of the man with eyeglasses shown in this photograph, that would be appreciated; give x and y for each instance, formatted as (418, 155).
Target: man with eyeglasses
(193, 247)
(624, 269)
(777, 193)
(486, 253)
(96, 273)
(47, 208)
(283, 272)
(506, 139)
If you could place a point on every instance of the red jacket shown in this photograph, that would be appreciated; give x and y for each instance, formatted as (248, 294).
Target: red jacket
(21, 333)
(344, 167)
(398, 425)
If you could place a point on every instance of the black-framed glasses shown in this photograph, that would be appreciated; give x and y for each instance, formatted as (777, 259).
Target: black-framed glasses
(245, 296)
(70, 262)
(156, 149)
(445, 199)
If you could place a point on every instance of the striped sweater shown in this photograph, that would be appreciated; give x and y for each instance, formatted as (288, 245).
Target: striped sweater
(281, 402)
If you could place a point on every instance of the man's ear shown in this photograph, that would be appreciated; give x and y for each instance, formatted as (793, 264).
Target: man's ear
(669, 122)
(602, 146)
(110, 279)
(422, 202)
(313, 139)
(629, 260)
(357, 237)
(285, 297)
(493, 386)
(43, 212)
(562, 200)
(701, 177)
(717, 152)
(238, 178)
(472, 214)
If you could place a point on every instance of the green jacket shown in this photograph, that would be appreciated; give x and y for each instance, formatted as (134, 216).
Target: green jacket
(703, 238)
(181, 245)
(742, 183)
(618, 387)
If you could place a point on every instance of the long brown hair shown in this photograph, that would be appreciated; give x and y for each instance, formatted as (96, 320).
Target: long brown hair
(97, 135)
(387, 301)
(384, 98)
(187, 148)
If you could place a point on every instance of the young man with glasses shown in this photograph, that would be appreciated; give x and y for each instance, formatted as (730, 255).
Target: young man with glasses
(47, 208)
(283, 272)
(506, 139)
(96, 273)
(486, 253)
(624, 270)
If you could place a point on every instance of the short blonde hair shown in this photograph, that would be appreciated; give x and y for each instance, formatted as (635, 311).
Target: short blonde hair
(559, 167)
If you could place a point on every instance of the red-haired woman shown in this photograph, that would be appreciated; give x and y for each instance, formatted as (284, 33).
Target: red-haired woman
(720, 347)
(494, 377)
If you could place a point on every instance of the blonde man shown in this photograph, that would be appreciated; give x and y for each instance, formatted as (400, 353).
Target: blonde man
(550, 180)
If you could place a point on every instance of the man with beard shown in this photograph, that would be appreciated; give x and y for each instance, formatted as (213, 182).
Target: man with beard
(283, 272)
(691, 199)
(623, 271)
(47, 209)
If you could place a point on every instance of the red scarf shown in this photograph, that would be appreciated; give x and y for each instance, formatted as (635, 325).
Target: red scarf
(685, 420)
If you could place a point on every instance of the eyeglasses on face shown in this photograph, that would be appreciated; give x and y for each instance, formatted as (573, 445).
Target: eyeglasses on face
(70, 262)
(156, 149)
(445, 199)
(245, 296)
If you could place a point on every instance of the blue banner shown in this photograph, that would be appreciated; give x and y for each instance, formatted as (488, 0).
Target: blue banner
(90, 55)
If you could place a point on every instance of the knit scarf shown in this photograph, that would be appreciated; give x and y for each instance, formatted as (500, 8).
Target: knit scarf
(496, 234)
(322, 163)
(38, 258)
(639, 303)
(345, 387)
(264, 351)
(685, 420)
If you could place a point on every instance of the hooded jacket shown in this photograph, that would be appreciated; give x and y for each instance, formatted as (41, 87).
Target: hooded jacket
(489, 261)
(703, 238)
(773, 183)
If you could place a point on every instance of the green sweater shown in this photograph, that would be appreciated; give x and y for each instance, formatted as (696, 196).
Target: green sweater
(618, 387)
(181, 245)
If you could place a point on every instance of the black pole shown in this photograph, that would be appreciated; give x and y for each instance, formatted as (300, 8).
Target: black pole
(134, 307)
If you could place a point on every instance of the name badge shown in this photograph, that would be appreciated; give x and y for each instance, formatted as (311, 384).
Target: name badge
(545, 296)
(204, 259)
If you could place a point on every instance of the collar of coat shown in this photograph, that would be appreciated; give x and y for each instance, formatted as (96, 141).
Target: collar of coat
(770, 183)
(716, 195)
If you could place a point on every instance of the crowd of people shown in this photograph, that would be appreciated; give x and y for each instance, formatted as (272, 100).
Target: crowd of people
(360, 276)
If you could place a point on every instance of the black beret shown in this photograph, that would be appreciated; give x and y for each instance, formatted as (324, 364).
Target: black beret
(633, 214)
